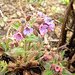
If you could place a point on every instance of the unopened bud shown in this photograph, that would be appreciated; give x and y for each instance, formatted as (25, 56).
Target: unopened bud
(35, 33)
(12, 44)
(61, 70)
(52, 54)
(59, 58)
(52, 65)
(20, 29)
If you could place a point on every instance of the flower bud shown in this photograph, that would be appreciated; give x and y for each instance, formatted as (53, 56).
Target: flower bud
(59, 58)
(61, 70)
(12, 44)
(52, 65)
(35, 33)
(52, 54)
(20, 29)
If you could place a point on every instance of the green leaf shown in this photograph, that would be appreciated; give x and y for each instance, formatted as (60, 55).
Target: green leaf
(65, 1)
(39, 55)
(62, 54)
(1, 23)
(4, 70)
(39, 61)
(31, 38)
(47, 65)
(30, 53)
(48, 72)
(66, 72)
(55, 61)
(73, 74)
(64, 64)
(16, 25)
(7, 44)
(2, 63)
(13, 16)
(4, 46)
(61, 66)
(41, 1)
(61, 19)
(8, 53)
(0, 38)
(17, 51)
(33, 21)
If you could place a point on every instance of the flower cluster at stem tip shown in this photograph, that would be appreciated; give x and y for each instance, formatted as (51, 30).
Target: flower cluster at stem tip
(56, 68)
(48, 24)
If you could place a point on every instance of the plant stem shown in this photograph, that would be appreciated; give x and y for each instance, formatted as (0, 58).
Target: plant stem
(25, 56)
(29, 45)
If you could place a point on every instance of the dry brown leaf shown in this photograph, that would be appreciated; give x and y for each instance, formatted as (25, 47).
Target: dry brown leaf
(58, 31)
(12, 65)
(32, 56)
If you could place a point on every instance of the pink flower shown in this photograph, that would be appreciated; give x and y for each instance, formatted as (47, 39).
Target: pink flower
(18, 36)
(61, 70)
(44, 56)
(43, 30)
(28, 31)
(57, 68)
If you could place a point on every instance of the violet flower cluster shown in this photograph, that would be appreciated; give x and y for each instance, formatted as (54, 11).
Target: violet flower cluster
(47, 24)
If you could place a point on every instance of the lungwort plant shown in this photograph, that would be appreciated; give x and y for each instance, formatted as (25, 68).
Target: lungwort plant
(22, 53)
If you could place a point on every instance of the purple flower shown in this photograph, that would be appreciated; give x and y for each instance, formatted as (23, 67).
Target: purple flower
(18, 36)
(43, 29)
(47, 20)
(51, 25)
(28, 31)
